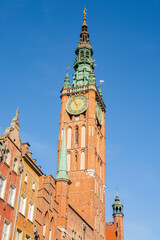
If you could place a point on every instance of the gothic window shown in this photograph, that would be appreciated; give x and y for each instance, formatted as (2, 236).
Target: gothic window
(15, 165)
(83, 136)
(22, 207)
(7, 157)
(69, 137)
(76, 135)
(2, 186)
(82, 165)
(76, 157)
(68, 161)
(11, 195)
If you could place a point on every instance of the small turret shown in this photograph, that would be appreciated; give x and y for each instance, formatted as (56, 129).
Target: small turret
(117, 207)
(118, 218)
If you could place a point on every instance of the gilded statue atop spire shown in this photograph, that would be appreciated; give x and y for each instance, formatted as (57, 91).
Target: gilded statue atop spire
(84, 11)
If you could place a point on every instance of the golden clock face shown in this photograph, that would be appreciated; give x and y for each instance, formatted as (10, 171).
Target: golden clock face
(77, 105)
(99, 114)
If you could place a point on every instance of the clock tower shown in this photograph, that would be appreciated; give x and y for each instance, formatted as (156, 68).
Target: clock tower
(82, 117)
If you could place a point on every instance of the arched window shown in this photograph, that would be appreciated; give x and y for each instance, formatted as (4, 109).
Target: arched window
(82, 165)
(7, 157)
(15, 165)
(68, 161)
(76, 135)
(69, 137)
(83, 136)
(87, 54)
(82, 54)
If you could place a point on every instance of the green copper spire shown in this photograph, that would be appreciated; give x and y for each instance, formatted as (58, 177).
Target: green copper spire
(83, 64)
(62, 167)
(117, 207)
(66, 80)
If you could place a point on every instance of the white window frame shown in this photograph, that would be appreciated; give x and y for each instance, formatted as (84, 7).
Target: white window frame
(30, 211)
(2, 186)
(7, 158)
(33, 186)
(15, 165)
(27, 237)
(19, 234)
(22, 207)
(6, 230)
(26, 178)
(11, 195)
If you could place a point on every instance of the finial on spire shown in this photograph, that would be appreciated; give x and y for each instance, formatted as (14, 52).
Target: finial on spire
(67, 71)
(116, 190)
(66, 80)
(84, 11)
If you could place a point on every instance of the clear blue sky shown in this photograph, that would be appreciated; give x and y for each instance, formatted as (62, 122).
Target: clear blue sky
(37, 42)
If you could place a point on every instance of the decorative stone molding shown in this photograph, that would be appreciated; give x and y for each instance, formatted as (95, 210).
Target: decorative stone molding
(91, 172)
(63, 232)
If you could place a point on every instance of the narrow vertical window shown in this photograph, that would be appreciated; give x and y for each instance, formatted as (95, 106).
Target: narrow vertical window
(44, 230)
(7, 157)
(82, 165)
(11, 195)
(76, 135)
(18, 234)
(83, 136)
(22, 207)
(6, 230)
(30, 211)
(50, 234)
(33, 186)
(27, 237)
(89, 130)
(2, 186)
(69, 138)
(15, 165)
(92, 130)
(26, 178)
(68, 161)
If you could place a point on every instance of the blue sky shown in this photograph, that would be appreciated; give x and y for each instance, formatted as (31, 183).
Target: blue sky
(37, 42)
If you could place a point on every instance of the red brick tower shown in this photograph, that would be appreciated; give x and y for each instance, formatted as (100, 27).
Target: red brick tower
(118, 218)
(83, 109)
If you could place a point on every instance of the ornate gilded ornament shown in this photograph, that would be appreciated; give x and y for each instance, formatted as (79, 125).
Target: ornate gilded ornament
(99, 113)
(77, 105)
